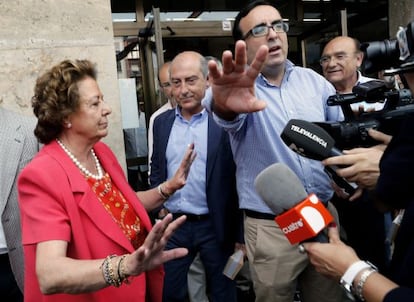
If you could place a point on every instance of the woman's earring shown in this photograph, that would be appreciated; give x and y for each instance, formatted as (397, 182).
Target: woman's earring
(68, 125)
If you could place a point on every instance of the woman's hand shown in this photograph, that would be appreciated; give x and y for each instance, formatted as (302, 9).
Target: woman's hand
(151, 254)
(331, 259)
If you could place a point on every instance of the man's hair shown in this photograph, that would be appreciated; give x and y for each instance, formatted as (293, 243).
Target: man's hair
(237, 33)
(158, 73)
(204, 66)
(357, 45)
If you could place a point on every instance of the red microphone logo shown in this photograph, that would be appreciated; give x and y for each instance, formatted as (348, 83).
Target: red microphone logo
(305, 220)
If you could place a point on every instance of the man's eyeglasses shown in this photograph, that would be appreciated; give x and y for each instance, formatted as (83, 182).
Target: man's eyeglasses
(263, 29)
(339, 57)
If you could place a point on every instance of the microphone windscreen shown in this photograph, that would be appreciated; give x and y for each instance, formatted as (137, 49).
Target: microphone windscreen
(279, 187)
(308, 139)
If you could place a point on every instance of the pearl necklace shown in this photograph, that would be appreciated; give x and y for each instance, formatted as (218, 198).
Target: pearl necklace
(80, 166)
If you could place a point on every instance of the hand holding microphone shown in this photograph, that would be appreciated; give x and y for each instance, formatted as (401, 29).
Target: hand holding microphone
(312, 141)
(300, 216)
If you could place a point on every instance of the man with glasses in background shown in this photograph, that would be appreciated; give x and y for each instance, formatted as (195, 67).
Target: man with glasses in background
(253, 103)
(341, 60)
(165, 85)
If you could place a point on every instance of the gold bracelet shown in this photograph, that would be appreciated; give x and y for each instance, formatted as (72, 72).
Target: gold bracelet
(105, 271)
(108, 272)
(121, 271)
(114, 280)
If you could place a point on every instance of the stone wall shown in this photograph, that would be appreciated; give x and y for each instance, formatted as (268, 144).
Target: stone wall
(401, 12)
(36, 34)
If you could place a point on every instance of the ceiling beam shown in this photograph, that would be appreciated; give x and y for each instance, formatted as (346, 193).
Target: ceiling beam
(177, 29)
(195, 14)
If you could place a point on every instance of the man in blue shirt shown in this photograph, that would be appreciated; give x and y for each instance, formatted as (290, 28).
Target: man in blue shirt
(254, 103)
(209, 200)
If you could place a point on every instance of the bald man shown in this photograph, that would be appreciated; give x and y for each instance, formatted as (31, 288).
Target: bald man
(365, 226)
(341, 60)
(209, 200)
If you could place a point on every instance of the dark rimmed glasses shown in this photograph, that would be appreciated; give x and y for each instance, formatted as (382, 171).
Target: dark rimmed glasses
(263, 29)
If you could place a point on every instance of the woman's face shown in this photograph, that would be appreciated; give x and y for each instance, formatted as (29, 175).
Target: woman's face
(90, 121)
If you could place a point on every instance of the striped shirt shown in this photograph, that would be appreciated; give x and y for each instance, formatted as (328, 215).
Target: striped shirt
(255, 137)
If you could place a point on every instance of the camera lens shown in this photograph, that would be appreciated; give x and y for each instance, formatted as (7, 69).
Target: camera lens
(380, 55)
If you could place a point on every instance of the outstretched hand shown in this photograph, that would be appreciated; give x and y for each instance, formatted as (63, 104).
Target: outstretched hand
(180, 177)
(151, 253)
(233, 86)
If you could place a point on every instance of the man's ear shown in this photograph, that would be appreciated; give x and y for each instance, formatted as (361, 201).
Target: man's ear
(360, 58)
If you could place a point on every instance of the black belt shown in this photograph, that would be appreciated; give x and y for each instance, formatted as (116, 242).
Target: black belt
(258, 215)
(191, 217)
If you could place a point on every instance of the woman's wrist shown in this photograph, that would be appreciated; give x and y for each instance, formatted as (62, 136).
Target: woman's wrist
(114, 270)
(351, 273)
(354, 278)
(124, 274)
(360, 280)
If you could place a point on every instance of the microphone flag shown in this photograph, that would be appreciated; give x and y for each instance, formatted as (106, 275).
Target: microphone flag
(305, 220)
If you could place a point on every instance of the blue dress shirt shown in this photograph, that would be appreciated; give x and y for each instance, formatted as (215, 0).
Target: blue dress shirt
(255, 137)
(192, 197)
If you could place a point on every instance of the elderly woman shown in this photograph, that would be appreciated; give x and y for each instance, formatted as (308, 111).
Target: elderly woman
(86, 233)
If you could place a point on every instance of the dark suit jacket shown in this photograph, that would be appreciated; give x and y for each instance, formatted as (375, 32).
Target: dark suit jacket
(394, 188)
(221, 190)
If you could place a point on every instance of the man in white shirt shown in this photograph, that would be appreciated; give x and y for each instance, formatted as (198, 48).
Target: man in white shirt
(341, 59)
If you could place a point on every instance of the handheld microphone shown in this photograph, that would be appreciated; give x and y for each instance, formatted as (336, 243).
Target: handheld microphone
(300, 216)
(309, 140)
(312, 141)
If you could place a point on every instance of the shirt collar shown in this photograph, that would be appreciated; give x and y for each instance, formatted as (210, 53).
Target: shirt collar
(288, 70)
(196, 116)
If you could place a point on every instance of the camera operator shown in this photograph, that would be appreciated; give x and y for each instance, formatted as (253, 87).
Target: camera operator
(363, 226)
(393, 189)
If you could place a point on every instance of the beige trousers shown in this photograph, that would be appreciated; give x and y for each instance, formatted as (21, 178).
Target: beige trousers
(277, 267)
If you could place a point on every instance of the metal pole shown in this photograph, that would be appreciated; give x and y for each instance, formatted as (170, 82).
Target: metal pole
(344, 22)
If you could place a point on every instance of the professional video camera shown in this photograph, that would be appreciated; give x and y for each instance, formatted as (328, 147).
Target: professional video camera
(353, 131)
(394, 56)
